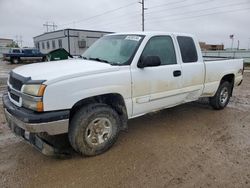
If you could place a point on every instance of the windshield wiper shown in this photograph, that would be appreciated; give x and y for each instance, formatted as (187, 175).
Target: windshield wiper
(100, 60)
(118, 64)
(103, 61)
(83, 57)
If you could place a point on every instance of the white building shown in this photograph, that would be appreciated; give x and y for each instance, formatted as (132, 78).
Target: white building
(3, 46)
(75, 41)
(5, 42)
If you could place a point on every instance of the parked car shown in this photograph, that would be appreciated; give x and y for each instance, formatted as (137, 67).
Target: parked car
(120, 77)
(19, 55)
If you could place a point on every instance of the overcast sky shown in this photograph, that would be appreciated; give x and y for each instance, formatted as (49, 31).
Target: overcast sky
(212, 21)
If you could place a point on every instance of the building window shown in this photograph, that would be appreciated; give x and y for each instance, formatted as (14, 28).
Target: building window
(82, 44)
(38, 46)
(60, 43)
(53, 44)
(43, 46)
(47, 44)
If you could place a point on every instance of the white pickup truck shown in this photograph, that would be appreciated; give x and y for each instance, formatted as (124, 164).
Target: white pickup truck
(121, 76)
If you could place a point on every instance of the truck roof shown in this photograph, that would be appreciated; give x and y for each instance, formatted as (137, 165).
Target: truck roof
(152, 33)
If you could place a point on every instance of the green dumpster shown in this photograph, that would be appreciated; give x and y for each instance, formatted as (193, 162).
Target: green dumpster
(58, 54)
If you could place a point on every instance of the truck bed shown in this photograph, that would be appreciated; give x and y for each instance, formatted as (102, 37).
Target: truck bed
(215, 58)
(216, 68)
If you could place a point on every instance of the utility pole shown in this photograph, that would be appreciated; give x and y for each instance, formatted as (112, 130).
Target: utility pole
(54, 26)
(249, 45)
(47, 25)
(19, 40)
(142, 14)
(232, 38)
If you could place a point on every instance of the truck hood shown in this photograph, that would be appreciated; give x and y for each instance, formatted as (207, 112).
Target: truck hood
(64, 69)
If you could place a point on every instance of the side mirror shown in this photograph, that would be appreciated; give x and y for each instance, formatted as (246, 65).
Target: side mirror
(149, 61)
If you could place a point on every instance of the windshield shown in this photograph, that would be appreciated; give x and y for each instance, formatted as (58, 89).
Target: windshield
(114, 49)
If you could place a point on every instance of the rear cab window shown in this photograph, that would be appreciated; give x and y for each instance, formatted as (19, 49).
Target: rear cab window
(188, 49)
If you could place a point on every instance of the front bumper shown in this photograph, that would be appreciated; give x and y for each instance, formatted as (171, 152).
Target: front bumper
(53, 123)
(27, 124)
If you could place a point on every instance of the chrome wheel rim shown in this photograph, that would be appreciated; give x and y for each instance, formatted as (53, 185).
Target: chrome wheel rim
(224, 96)
(98, 131)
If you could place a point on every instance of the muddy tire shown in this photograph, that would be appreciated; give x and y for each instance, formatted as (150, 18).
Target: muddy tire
(222, 96)
(15, 61)
(44, 59)
(94, 129)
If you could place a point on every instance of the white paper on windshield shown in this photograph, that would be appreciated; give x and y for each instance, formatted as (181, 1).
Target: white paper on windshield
(133, 37)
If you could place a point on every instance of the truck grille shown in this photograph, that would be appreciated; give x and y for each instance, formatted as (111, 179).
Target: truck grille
(15, 83)
(14, 97)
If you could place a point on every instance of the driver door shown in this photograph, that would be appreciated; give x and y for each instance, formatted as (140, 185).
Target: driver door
(157, 87)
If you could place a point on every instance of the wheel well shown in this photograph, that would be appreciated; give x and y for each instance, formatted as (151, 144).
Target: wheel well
(229, 78)
(114, 100)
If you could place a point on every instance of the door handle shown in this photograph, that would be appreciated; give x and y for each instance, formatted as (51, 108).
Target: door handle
(177, 73)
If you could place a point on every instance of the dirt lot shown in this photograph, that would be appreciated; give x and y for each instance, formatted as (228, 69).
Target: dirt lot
(187, 146)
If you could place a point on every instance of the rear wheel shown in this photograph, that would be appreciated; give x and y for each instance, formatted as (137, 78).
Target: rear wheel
(222, 96)
(44, 59)
(15, 60)
(94, 129)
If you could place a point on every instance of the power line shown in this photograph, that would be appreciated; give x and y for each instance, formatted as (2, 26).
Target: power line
(124, 23)
(118, 27)
(112, 20)
(190, 17)
(184, 6)
(167, 4)
(201, 10)
(98, 15)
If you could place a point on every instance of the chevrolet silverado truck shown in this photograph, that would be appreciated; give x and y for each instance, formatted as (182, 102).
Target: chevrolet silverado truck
(120, 77)
(19, 55)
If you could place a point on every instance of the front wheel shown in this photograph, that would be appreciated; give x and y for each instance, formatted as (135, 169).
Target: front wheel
(94, 129)
(222, 96)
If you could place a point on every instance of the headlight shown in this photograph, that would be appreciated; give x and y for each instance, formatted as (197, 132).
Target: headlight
(34, 89)
(32, 97)
(33, 105)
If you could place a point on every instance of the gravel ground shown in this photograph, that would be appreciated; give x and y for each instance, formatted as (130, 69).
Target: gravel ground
(186, 146)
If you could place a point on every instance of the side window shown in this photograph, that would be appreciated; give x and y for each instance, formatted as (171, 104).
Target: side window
(16, 51)
(161, 46)
(60, 43)
(37, 45)
(43, 46)
(188, 49)
(53, 44)
(48, 45)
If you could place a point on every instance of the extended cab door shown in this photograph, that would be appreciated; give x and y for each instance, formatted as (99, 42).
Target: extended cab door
(193, 68)
(159, 86)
